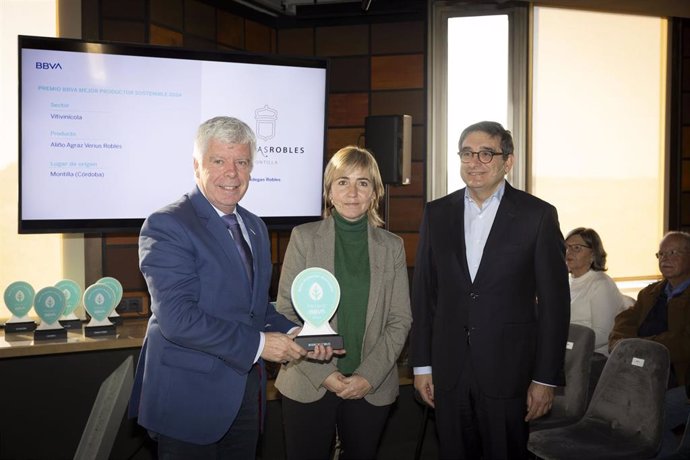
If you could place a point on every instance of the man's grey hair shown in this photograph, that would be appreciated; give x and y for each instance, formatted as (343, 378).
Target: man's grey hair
(228, 130)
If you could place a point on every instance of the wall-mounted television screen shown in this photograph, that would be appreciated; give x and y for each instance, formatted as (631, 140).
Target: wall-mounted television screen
(106, 131)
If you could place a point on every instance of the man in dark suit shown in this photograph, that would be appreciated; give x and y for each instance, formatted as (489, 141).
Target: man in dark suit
(200, 379)
(490, 305)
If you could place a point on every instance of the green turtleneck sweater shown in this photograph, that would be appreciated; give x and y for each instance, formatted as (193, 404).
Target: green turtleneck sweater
(353, 274)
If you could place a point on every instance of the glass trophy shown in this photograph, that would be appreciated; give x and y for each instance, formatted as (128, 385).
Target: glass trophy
(99, 302)
(72, 292)
(315, 297)
(115, 285)
(49, 304)
(19, 299)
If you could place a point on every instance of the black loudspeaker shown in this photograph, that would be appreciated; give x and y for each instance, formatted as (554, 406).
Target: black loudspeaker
(389, 138)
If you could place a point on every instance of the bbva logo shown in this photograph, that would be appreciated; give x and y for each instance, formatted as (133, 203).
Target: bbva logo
(48, 65)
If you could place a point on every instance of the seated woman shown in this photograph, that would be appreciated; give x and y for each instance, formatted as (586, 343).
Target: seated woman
(594, 297)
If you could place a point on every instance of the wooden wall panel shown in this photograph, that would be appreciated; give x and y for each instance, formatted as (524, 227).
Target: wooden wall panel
(230, 30)
(398, 37)
(410, 102)
(163, 36)
(397, 72)
(686, 142)
(405, 214)
(339, 138)
(348, 109)
(197, 43)
(124, 31)
(122, 263)
(685, 187)
(124, 9)
(258, 37)
(90, 20)
(168, 13)
(342, 40)
(348, 74)
(296, 42)
(410, 241)
(199, 20)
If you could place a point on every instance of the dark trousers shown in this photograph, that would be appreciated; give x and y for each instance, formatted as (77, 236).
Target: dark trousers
(239, 443)
(473, 426)
(310, 428)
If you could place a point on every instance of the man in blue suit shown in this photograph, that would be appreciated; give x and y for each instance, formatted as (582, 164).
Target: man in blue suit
(200, 379)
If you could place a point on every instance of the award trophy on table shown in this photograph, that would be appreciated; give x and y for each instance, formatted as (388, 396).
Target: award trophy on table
(72, 292)
(315, 297)
(49, 303)
(115, 285)
(19, 298)
(99, 302)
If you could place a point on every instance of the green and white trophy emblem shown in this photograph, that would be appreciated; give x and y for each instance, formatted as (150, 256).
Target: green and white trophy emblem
(19, 298)
(315, 297)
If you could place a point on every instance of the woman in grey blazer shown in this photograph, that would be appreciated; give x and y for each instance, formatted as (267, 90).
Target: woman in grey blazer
(352, 393)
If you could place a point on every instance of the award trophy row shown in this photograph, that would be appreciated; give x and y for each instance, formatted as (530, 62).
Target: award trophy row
(55, 306)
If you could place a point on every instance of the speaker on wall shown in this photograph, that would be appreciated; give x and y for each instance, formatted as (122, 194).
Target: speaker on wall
(389, 138)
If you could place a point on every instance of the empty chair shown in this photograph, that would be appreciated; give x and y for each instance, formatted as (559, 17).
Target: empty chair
(570, 402)
(624, 418)
(106, 414)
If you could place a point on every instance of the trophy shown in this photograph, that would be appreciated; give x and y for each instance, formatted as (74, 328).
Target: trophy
(315, 296)
(19, 298)
(99, 302)
(115, 285)
(49, 303)
(72, 293)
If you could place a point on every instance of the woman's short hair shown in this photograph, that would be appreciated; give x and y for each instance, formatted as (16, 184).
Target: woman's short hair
(592, 239)
(228, 130)
(344, 160)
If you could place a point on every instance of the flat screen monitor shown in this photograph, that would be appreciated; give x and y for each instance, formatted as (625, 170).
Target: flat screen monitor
(106, 131)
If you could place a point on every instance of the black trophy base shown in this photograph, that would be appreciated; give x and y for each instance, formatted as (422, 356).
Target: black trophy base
(116, 320)
(99, 331)
(24, 326)
(308, 342)
(50, 334)
(71, 324)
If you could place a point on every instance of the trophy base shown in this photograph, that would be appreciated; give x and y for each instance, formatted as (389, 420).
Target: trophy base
(50, 334)
(116, 320)
(24, 326)
(70, 324)
(98, 331)
(308, 342)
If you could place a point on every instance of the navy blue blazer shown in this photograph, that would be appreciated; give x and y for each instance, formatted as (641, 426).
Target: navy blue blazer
(517, 309)
(203, 334)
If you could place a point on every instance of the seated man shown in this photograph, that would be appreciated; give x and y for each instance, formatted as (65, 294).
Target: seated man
(662, 314)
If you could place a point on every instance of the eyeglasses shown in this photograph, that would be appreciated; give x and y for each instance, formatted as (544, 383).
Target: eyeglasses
(484, 156)
(672, 254)
(576, 247)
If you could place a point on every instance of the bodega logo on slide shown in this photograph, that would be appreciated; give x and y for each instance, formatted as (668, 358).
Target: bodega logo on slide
(48, 65)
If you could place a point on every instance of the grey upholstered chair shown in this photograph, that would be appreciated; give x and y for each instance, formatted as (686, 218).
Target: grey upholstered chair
(624, 418)
(570, 402)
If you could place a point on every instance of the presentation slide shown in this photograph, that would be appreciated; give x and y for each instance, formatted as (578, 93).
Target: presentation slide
(109, 136)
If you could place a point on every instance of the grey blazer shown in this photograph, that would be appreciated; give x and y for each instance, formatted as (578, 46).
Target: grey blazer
(388, 312)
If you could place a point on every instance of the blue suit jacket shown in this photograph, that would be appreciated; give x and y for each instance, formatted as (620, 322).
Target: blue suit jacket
(203, 336)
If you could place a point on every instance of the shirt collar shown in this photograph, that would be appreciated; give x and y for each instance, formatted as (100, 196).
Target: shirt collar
(676, 291)
(498, 194)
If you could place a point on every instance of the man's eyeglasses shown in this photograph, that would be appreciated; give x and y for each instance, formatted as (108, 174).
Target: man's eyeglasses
(672, 254)
(484, 156)
(576, 247)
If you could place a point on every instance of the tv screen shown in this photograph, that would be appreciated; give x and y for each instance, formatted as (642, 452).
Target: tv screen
(106, 131)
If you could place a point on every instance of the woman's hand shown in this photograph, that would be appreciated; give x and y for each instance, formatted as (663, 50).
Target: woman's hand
(334, 382)
(356, 387)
